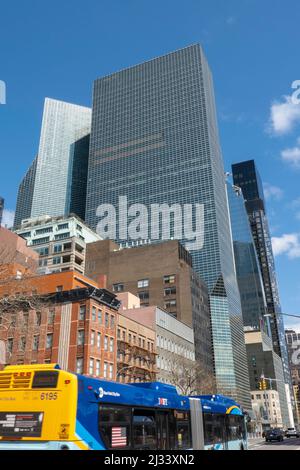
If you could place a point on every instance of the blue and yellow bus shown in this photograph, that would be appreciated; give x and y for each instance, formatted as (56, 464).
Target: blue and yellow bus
(43, 407)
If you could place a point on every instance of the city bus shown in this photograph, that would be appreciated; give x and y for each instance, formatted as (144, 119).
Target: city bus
(43, 407)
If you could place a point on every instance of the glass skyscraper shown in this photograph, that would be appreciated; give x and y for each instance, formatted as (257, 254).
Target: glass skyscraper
(63, 148)
(154, 139)
(249, 277)
(25, 195)
(246, 176)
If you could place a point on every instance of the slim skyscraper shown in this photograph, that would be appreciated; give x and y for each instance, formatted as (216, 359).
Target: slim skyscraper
(63, 147)
(154, 139)
(246, 176)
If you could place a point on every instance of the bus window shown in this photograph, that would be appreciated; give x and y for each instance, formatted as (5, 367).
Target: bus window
(144, 429)
(114, 426)
(213, 429)
(235, 428)
(183, 430)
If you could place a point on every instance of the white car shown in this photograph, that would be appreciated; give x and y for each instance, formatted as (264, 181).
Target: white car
(292, 432)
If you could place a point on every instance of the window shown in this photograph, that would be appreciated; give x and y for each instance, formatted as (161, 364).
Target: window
(22, 343)
(79, 365)
(112, 321)
(106, 320)
(63, 226)
(57, 248)
(144, 429)
(112, 420)
(51, 316)
(111, 345)
(93, 313)
(91, 366)
(213, 428)
(170, 291)
(105, 370)
(99, 340)
(143, 295)
(99, 316)
(49, 341)
(143, 283)
(235, 427)
(44, 251)
(98, 368)
(118, 287)
(111, 371)
(41, 231)
(80, 338)
(170, 304)
(169, 279)
(82, 310)
(38, 318)
(10, 343)
(106, 343)
(62, 236)
(92, 338)
(35, 344)
(56, 260)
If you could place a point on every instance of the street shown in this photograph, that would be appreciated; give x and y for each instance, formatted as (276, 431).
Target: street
(287, 444)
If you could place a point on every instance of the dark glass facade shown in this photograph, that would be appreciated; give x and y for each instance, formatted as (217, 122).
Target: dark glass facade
(79, 177)
(247, 266)
(246, 176)
(154, 139)
(25, 195)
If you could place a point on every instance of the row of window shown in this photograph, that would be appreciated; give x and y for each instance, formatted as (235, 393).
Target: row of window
(95, 368)
(135, 340)
(97, 316)
(35, 343)
(171, 346)
(142, 283)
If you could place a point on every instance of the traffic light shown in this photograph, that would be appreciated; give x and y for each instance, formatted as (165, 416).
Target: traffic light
(264, 384)
(260, 385)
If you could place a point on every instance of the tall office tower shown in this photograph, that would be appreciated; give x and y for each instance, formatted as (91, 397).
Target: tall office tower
(25, 194)
(62, 151)
(154, 139)
(254, 307)
(1, 208)
(246, 176)
(249, 277)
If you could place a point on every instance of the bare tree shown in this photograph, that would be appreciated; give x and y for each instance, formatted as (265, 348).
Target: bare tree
(192, 378)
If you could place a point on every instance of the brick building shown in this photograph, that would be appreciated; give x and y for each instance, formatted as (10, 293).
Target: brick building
(16, 259)
(159, 274)
(74, 326)
(136, 354)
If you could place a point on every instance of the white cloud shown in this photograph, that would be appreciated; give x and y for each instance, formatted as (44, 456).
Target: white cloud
(8, 218)
(284, 116)
(292, 155)
(272, 192)
(288, 243)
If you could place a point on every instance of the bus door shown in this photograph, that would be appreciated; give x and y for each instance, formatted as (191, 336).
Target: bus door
(162, 430)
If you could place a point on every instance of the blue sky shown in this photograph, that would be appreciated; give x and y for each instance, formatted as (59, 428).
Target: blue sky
(58, 48)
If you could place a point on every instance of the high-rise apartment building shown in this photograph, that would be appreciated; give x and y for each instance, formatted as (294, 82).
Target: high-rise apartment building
(55, 184)
(154, 139)
(293, 345)
(59, 241)
(25, 195)
(246, 176)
